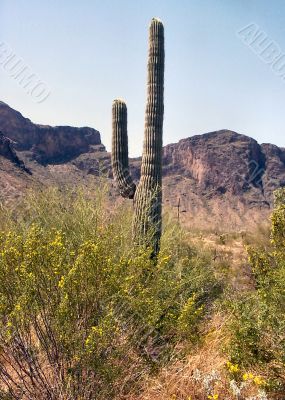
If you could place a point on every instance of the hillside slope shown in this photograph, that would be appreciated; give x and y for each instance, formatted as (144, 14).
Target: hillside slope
(220, 179)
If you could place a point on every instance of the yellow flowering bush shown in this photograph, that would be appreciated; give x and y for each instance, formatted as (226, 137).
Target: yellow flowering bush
(258, 324)
(81, 308)
(213, 397)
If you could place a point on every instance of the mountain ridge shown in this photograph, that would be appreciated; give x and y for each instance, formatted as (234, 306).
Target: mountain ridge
(218, 177)
(48, 144)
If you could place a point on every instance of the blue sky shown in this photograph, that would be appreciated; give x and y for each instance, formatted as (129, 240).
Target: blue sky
(90, 52)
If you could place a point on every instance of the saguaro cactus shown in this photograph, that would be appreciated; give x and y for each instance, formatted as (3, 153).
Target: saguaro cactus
(147, 195)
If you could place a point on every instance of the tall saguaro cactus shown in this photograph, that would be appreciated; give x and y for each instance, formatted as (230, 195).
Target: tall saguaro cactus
(147, 195)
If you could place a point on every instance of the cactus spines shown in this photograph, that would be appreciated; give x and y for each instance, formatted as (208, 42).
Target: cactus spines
(147, 195)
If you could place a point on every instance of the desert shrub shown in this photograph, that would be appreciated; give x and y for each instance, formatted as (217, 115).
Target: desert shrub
(258, 322)
(84, 314)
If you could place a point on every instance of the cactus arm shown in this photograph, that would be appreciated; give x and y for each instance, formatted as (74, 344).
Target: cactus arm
(120, 157)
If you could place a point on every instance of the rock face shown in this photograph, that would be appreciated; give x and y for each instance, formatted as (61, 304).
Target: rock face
(224, 177)
(15, 177)
(220, 179)
(62, 143)
(16, 127)
(219, 162)
(274, 170)
(7, 151)
(47, 144)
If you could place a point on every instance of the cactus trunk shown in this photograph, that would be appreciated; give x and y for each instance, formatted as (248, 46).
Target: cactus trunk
(147, 196)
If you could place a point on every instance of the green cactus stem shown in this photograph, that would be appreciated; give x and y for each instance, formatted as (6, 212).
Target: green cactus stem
(120, 157)
(147, 195)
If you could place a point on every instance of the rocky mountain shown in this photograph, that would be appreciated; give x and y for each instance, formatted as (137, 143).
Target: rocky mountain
(218, 179)
(224, 177)
(47, 144)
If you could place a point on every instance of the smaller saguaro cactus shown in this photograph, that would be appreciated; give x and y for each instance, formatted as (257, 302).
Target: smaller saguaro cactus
(147, 195)
(120, 153)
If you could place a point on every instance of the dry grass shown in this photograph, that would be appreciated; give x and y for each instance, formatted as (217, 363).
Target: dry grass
(178, 380)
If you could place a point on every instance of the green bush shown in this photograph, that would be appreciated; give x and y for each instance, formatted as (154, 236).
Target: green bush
(84, 314)
(258, 323)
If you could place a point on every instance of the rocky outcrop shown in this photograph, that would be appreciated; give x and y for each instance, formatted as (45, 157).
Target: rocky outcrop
(47, 144)
(13, 125)
(221, 178)
(221, 161)
(7, 151)
(274, 171)
(63, 143)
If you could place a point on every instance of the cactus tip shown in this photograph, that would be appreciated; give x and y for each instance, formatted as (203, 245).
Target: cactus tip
(155, 19)
(119, 101)
(156, 24)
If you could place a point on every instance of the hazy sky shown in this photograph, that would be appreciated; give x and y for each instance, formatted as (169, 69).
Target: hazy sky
(90, 52)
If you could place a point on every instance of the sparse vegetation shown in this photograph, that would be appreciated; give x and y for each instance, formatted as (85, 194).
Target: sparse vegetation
(258, 322)
(84, 314)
